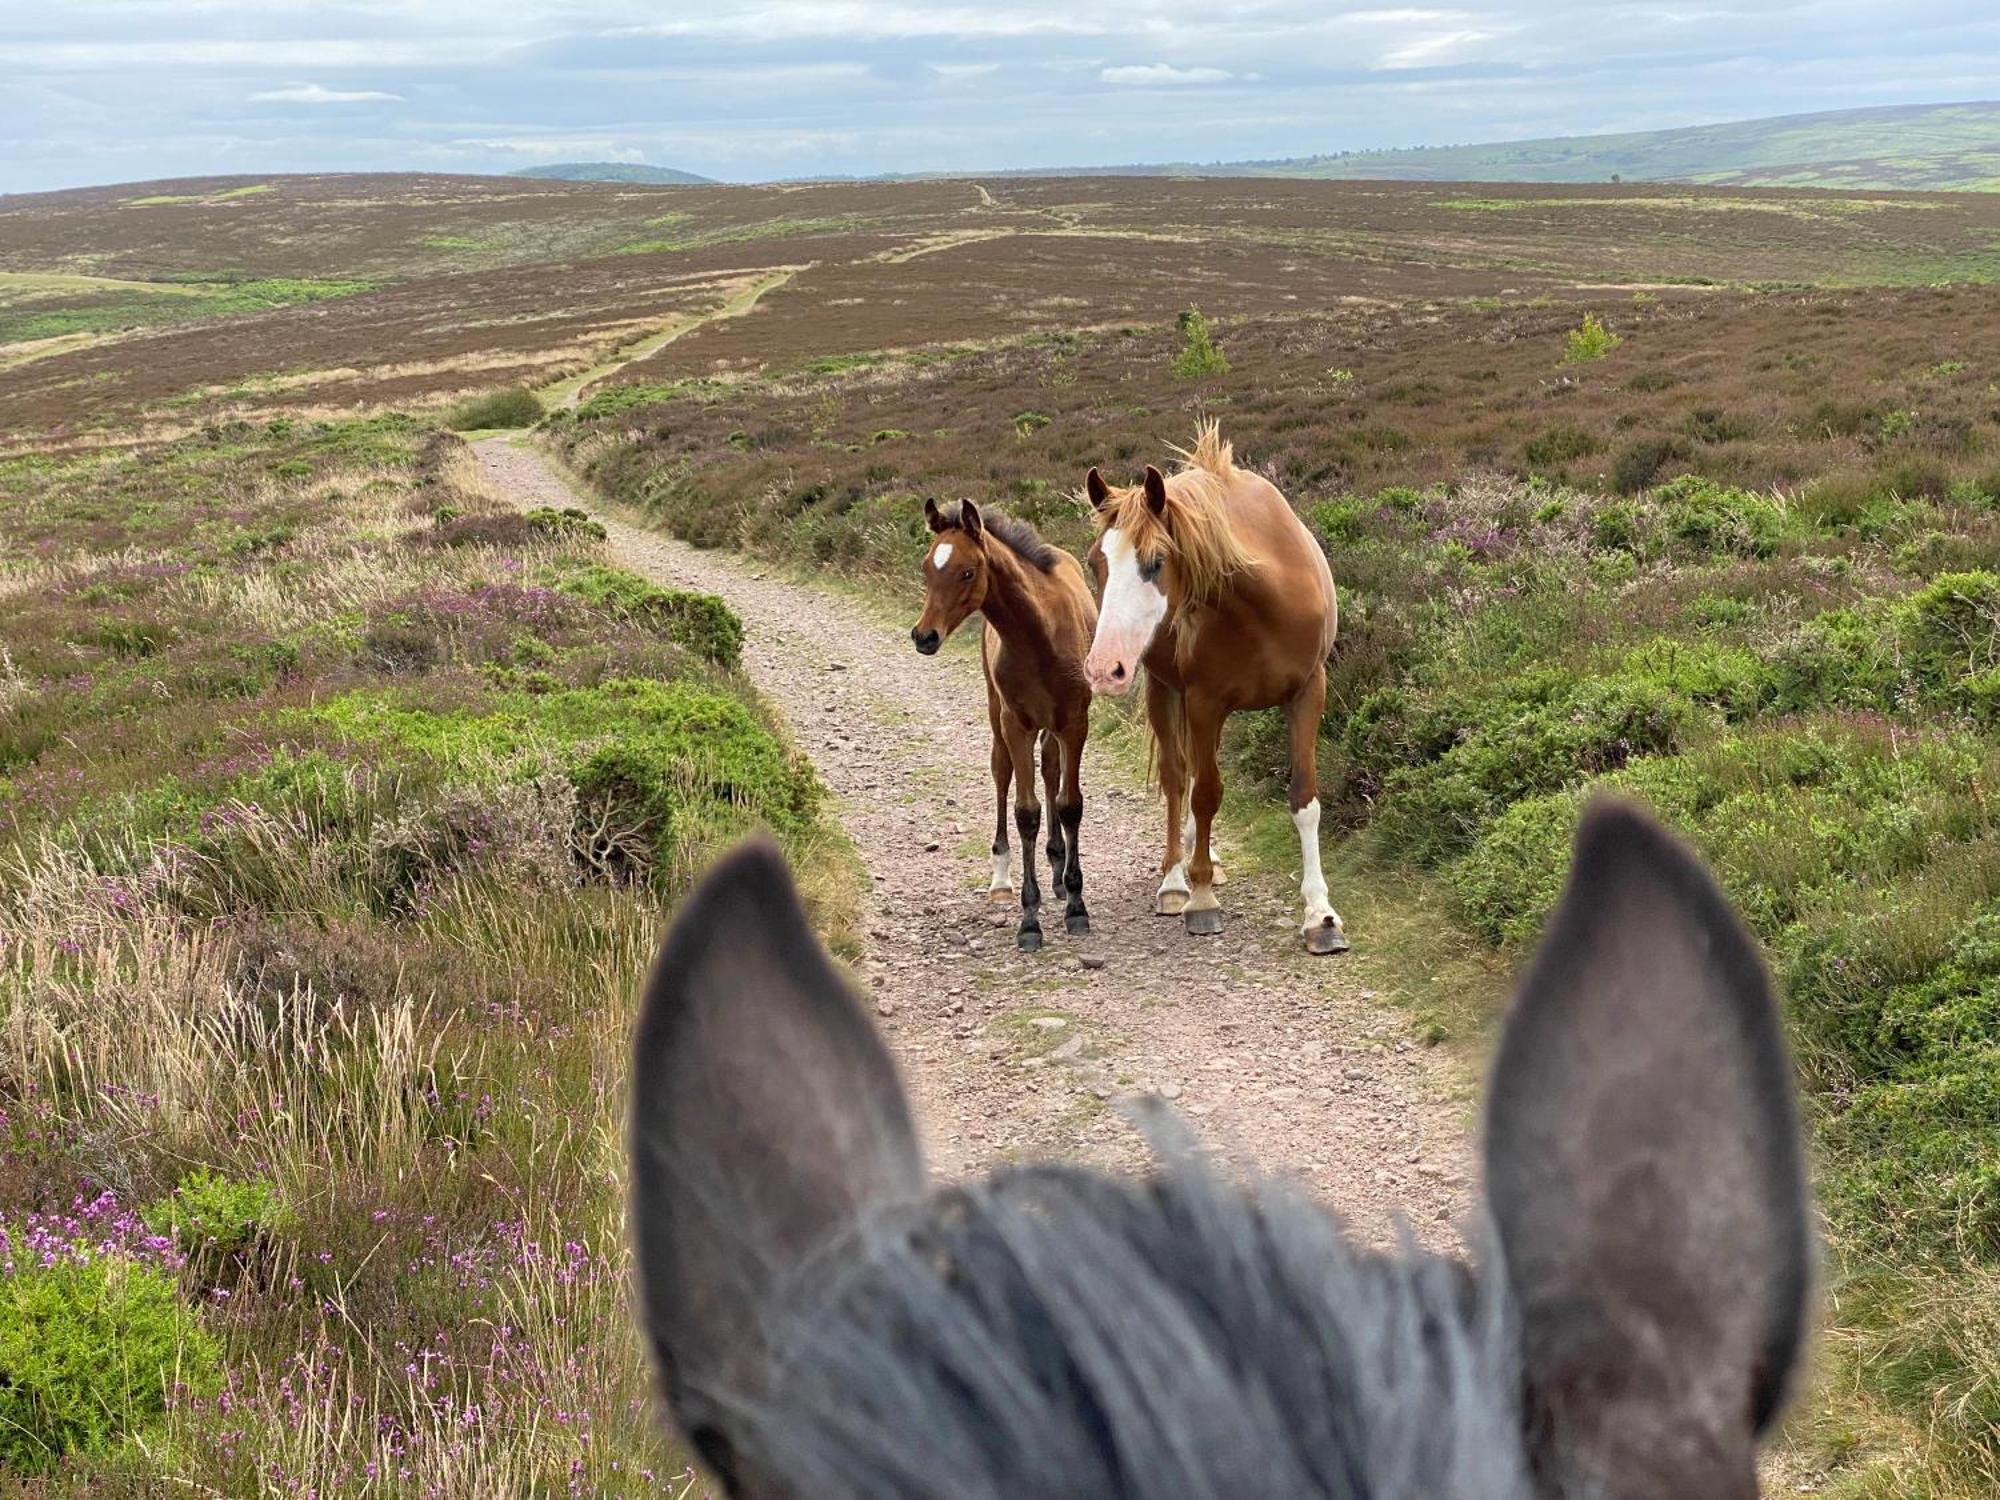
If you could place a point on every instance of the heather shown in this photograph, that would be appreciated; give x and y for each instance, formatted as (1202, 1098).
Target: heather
(340, 806)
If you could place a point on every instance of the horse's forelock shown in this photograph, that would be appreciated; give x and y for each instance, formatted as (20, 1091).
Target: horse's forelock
(1055, 1331)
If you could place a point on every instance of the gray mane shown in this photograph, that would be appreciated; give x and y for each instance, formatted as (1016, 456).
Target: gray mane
(1055, 1332)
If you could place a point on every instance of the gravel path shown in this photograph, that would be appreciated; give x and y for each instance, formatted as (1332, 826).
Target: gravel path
(1275, 1057)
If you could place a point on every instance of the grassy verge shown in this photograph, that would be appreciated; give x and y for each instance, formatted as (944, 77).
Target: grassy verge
(340, 806)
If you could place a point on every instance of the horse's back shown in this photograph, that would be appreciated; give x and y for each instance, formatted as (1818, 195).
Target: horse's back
(1287, 558)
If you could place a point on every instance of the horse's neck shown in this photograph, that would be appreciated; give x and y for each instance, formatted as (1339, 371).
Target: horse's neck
(1011, 607)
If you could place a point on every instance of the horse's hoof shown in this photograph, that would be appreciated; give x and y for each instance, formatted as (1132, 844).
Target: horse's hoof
(1078, 923)
(1029, 940)
(1171, 903)
(1207, 923)
(1325, 938)
(1002, 895)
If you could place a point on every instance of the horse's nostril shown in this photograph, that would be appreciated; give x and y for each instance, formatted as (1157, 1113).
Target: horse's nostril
(1118, 672)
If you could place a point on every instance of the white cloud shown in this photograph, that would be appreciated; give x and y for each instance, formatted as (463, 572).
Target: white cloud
(1163, 76)
(314, 93)
(1437, 50)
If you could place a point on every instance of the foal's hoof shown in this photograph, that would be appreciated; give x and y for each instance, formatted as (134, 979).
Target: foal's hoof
(1003, 895)
(1078, 923)
(1171, 903)
(1326, 937)
(1206, 923)
(1029, 940)
(1219, 878)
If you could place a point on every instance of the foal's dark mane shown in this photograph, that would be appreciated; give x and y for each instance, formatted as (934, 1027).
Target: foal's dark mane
(1021, 538)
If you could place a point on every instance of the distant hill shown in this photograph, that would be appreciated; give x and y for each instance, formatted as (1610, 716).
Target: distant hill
(1921, 147)
(1924, 146)
(615, 171)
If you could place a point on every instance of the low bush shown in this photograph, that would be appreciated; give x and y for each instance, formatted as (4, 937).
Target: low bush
(1199, 356)
(1717, 518)
(515, 407)
(93, 1349)
(700, 622)
(214, 1220)
(1639, 463)
(1591, 340)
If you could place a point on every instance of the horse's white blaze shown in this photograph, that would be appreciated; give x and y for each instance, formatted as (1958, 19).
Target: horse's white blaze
(1312, 882)
(1003, 871)
(1133, 609)
(942, 556)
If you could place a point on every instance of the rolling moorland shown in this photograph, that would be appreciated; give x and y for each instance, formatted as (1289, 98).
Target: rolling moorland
(1691, 492)
(1911, 148)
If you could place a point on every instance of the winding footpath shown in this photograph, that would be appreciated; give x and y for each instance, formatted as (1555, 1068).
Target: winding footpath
(1275, 1058)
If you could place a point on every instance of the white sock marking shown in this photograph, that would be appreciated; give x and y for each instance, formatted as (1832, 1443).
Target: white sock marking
(1312, 882)
(1003, 871)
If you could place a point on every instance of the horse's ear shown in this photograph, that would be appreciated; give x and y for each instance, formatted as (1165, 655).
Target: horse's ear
(1156, 491)
(933, 517)
(766, 1120)
(1095, 487)
(1644, 1173)
(968, 518)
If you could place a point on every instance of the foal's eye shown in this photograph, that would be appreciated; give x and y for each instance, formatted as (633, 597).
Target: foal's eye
(966, 575)
(1149, 568)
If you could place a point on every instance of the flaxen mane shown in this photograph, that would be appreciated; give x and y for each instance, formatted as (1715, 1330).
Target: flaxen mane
(1020, 537)
(1199, 539)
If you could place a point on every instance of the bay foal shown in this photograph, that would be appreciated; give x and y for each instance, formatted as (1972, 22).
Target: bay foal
(1212, 583)
(829, 1326)
(1038, 622)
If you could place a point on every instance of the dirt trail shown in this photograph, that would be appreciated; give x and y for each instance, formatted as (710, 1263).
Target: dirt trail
(1272, 1055)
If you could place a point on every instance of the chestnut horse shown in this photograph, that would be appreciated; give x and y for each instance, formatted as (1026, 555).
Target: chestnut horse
(1212, 583)
(1038, 623)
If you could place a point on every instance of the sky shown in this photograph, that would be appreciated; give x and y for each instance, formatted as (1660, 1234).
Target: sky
(97, 91)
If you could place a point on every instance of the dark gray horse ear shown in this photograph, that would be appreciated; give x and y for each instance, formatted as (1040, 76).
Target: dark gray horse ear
(767, 1118)
(968, 518)
(932, 515)
(1644, 1172)
(1096, 489)
(1156, 491)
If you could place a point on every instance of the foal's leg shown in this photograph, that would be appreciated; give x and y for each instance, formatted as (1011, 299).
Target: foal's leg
(1163, 712)
(1051, 790)
(1321, 928)
(1204, 912)
(1002, 887)
(1069, 813)
(1028, 823)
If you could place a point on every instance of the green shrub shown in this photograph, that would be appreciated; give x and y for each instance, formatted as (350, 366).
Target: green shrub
(1591, 340)
(1621, 527)
(92, 1349)
(700, 622)
(1533, 735)
(214, 1219)
(657, 767)
(1198, 356)
(1560, 445)
(566, 524)
(1950, 632)
(515, 407)
(1717, 518)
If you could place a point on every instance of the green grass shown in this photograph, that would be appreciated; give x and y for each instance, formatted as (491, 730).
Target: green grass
(64, 306)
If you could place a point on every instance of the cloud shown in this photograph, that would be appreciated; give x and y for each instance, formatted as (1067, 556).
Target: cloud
(1163, 76)
(313, 93)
